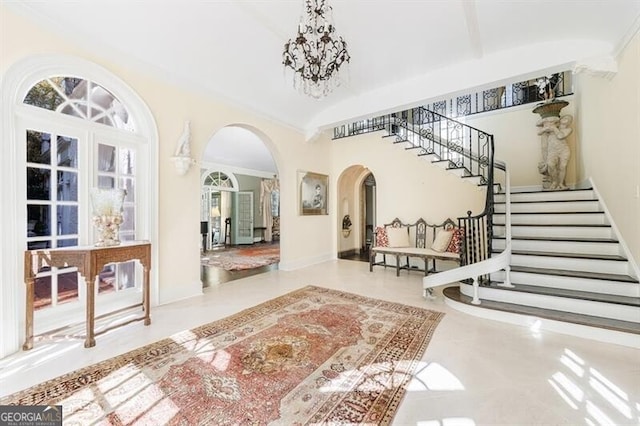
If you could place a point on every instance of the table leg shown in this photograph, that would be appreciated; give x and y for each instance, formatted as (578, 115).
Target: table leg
(90, 340)
(145, 297)
(28, 337)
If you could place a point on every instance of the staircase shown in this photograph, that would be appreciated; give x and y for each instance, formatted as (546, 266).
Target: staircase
(566, 263)
(563, 264)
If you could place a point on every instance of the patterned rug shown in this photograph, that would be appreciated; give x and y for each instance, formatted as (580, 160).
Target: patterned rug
(312, 356)
(243, 257)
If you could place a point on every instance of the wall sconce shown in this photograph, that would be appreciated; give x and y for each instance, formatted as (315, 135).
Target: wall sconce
(182, 157)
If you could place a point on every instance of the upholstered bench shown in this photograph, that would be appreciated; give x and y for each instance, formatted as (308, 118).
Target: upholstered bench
(417, 240)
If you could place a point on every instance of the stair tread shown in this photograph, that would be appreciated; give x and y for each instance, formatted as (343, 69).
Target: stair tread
(572, 294)
(562, 212)
(587, 320)
(568, 255)
(540, 191)
(549, 201)
(559, 239)
(559, 225)
(576, 274)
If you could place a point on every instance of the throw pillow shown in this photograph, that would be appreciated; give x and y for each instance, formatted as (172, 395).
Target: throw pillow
(381, 237)
(455, 245)
(398, 237)
(442, 240)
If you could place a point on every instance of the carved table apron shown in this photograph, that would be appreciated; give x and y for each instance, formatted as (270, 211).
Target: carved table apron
(90, 261)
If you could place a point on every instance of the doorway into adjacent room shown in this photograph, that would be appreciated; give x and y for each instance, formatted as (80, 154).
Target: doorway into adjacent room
(357, 192)
(239, 207)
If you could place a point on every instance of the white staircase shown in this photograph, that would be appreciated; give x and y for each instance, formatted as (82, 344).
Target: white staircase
(567, 263)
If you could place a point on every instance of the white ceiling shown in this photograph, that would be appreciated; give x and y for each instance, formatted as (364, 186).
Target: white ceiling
(403, 52)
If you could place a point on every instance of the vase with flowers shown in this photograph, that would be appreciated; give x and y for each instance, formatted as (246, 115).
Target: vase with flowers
(107, 214)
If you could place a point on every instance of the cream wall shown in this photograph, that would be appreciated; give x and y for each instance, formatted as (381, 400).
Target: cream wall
(609, 132)
(518, 144)
(407, 186)
(178, 264)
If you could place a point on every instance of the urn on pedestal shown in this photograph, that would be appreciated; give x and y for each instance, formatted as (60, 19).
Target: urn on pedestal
(553, 130)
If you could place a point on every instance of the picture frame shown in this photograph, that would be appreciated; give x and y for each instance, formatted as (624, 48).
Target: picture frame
(313, 193)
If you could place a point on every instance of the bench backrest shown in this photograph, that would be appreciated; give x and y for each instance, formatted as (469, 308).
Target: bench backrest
(421, 233)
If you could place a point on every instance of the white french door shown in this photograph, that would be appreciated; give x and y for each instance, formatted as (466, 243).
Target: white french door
(61, 164)
(243, 215)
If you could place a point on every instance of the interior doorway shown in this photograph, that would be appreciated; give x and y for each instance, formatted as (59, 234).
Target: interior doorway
(357, 192)
(240, 212)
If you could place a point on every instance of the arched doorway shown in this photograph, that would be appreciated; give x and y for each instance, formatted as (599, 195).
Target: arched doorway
(240, 206)
(357, 196)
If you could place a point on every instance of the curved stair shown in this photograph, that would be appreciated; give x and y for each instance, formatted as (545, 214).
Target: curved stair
(567, 264)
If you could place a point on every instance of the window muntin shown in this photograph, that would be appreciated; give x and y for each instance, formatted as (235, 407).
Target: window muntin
(80, 98)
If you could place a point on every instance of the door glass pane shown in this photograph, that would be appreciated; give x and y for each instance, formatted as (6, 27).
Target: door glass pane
(68, 286)
(42, 292)
(126, 275)
(67, 152)
(38, 245)
(38, 184)
(106, 158)
(129, 186)
(106, 182)
(68, 243)
(38, 220)
(67, 186)
(67, 220)
(127, 161)
(128, 223)
(38, 147)
(107, 279)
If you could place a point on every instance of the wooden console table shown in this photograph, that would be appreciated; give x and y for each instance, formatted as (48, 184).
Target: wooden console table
(90, 261)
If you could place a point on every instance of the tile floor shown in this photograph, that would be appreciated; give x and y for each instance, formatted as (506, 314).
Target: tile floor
(474, 372)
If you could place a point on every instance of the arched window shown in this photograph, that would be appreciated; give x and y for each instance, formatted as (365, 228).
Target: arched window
(68, 125)
(219, 180)
(54, 177)
(80, 98)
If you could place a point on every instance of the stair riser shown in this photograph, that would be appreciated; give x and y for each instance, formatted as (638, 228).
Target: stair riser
(587, 265)
(571, 283)
(476, 180)
(561, 246)
(549, 196)
(553, 219)
(458, 172)
(552, 207)
(430, 158)
(555, 231)
(578, 306)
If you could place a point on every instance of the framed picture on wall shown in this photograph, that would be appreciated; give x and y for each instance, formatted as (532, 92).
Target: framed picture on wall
(313, 193)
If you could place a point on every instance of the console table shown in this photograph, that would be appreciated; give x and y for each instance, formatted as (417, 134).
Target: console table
(90, 261)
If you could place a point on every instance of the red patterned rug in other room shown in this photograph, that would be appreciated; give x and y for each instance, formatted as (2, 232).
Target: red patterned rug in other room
(312, 356)
(240, 258)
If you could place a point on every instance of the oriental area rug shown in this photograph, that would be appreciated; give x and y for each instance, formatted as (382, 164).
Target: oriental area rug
(314, 356)
(240, 258)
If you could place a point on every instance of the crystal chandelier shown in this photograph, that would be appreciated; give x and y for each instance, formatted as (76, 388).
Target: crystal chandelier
(316, 54)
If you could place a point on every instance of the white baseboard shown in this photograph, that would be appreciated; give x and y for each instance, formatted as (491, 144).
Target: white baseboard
(303, 263)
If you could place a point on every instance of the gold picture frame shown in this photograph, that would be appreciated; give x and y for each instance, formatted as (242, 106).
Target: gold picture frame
(313, 193)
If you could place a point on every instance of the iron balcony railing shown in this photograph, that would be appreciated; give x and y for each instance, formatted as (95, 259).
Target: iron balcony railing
(445, 139)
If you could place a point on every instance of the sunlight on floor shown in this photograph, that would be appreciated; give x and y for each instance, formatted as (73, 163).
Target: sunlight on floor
(427, 377)
(433, 376)
(449, 421)
(584, 387)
